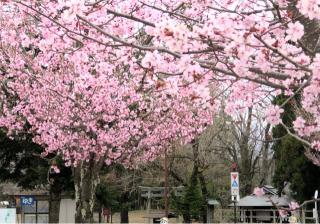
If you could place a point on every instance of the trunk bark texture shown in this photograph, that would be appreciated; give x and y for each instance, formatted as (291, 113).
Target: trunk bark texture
(204, 191)
(246, 169)
(54, 206)
(86, 178)
(265, 174)
(124, 215)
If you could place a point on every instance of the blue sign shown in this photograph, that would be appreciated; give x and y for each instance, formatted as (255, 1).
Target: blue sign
(234, 184)
(27, 200)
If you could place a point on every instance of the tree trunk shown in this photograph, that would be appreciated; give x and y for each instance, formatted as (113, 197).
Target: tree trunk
(204, 191)
(246, 169)
(54, 206)
(196, 165)
(186, 216)
(124, 207)
(86, 178)
(55, 189)
(124, 215)
(265, 174)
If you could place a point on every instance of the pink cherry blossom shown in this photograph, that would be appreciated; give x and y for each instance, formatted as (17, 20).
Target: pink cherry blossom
(55, 168)
(293, 205)
(299, 125)
(258, 191)
(295, 31)
(309, 8)
(272, 114)
(283, 213)
(122, 80)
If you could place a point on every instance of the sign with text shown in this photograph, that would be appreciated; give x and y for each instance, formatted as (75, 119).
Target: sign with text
(234, 184)
(27, 200)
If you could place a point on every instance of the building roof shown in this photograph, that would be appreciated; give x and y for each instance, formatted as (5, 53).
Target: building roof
(13, 189)
(213, 202)
(268, 189)
(263, 201)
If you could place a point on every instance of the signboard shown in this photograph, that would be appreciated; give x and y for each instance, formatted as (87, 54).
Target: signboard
(8, 215)
(234, 185)
(27, 200)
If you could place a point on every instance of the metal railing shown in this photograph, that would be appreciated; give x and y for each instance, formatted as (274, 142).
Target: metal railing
(260, 216)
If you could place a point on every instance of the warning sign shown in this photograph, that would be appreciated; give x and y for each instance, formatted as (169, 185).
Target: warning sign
(234, 184)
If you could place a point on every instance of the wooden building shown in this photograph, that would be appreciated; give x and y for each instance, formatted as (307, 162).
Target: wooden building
(254, 209)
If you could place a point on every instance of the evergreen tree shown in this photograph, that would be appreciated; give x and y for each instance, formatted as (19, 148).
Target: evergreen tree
(191, 203)
(291, 163)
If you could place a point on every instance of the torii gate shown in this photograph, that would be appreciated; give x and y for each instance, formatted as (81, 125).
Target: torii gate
(157, 192)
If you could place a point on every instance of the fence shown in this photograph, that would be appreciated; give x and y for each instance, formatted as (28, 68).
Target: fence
(261, 216)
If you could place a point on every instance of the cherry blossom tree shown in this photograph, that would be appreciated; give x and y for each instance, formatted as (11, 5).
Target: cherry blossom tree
(112, 80)
(91, 112)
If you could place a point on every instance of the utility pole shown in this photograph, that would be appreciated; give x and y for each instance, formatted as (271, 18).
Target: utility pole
(315, 211)
(166, 184)
(235, 210)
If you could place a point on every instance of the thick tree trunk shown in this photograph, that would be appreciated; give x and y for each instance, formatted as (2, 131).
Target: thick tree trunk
(54, 206)
(124, 209)
(124, 215)
(86, 178)
(55, 190)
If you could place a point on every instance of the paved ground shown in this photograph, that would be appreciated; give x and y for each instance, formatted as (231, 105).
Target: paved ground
(137, 217)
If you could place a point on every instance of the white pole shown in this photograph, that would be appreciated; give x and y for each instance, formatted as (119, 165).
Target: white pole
(316, 206)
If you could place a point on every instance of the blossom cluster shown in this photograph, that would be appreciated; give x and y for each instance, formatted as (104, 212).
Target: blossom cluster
(119, 79)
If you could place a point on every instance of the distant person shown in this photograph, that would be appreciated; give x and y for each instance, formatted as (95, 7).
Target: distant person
(106, 214)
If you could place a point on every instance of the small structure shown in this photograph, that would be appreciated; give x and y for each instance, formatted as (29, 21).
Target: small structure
(254, 209)
(211, 205)
(158, 192)
(32, 206)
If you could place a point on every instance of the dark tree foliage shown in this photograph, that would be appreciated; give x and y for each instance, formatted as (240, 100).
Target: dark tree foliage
(107, 197)
(119, 192)
(20, 163)
(191, 203)
(291, 163)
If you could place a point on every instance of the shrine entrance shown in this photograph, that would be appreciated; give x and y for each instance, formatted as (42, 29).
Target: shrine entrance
(154, 194)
